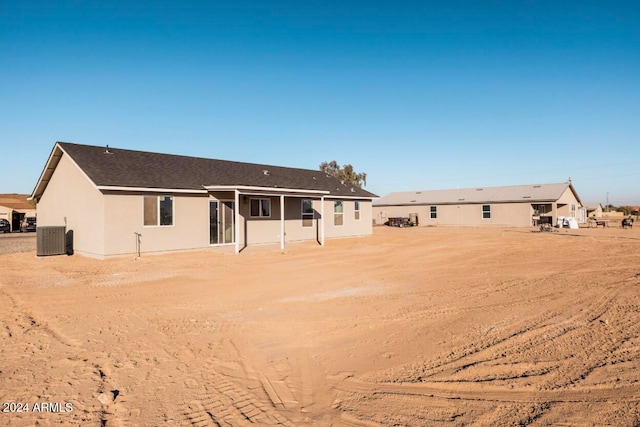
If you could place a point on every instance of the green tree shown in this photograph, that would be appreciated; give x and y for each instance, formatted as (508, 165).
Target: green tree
(344, 173)
(626, 209)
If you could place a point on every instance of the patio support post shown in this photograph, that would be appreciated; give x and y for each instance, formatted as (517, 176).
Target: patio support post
(281, 221)
(236, 220)
(322, 220)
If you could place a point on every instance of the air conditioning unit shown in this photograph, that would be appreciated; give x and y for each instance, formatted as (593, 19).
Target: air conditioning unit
(51, 240)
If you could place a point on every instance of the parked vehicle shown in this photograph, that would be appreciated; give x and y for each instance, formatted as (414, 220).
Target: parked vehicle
(399, 221)
(31, 224)
(5, 226)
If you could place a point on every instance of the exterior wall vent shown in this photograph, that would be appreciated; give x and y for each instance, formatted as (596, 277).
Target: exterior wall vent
(51, 240)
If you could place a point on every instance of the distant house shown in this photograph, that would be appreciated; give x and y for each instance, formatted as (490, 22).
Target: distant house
(518, 205)
(107, 195)
(15, 208)
(593, 210)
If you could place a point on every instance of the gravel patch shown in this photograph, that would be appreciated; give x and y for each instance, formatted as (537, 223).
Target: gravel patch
(14, 243)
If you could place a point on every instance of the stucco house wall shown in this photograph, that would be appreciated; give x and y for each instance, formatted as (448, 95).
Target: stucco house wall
(267, 230)
(294, 230)
(501, 214)
(261, 229)
(351, 226)
(506, 209)
(568, 204)
(593, 210)
(190, 229)
(72, 201)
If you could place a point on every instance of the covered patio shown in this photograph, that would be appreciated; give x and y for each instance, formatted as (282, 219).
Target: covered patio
(243, 211)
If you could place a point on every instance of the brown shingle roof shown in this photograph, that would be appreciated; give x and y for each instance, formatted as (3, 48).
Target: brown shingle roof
(140, 169)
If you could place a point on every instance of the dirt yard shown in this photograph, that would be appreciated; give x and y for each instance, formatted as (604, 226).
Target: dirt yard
(409, 327)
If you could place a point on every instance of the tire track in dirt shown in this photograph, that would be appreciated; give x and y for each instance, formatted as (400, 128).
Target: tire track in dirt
(474, 298)
(450, 378)
(519, 337)
(61, 379)
(478, 392)
(236, 395)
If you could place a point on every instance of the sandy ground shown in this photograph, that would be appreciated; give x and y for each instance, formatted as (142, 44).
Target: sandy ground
(418, 327)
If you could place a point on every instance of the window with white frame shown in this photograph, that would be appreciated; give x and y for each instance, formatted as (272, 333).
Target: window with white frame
(357, 210)
(573, 210)
(260, 207)
(486, 211)
(158, 210)
(338, 212)
(307, 212)
(433, 212)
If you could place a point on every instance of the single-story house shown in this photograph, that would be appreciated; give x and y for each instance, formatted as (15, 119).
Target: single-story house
(518, 205)
(15, 208)
(593, 210)
(118, 202)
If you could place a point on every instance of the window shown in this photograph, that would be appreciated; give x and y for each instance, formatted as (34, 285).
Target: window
(307, 213)
(261, 207)
(541, 209)
(158, 210)
(338, 213)
(433, 212)
(357, 210)
(486, 211)
(573, 210)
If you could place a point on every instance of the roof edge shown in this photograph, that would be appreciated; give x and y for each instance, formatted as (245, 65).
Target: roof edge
(37, 192)
(52, 165)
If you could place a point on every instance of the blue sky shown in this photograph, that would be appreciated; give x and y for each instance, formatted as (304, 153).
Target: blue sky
(418, 94)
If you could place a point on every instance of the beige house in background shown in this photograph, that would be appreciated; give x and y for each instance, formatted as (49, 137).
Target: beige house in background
(15, 208)
(593, 210)
(518, 205)
(118, 201)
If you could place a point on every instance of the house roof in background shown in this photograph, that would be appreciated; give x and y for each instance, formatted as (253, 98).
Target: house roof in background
(121, 168)
(16, 201)
(592, 206)
(513, 193)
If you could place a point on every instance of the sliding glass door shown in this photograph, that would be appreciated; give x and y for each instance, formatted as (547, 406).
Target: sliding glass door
(221, 222)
